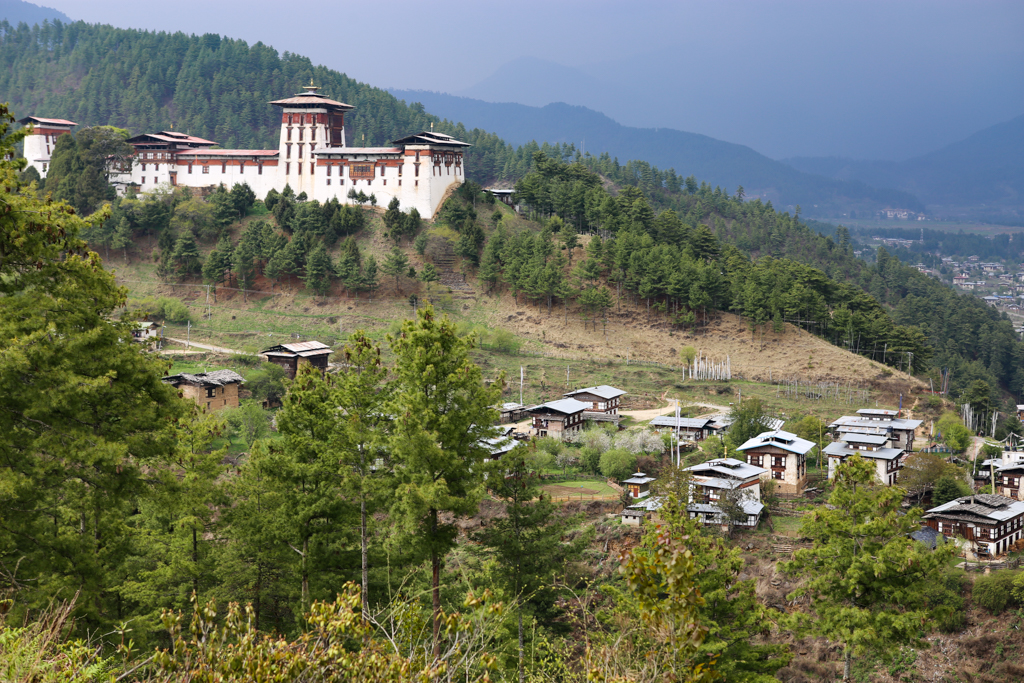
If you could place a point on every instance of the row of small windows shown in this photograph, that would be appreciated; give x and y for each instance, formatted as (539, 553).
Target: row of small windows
(312, 134)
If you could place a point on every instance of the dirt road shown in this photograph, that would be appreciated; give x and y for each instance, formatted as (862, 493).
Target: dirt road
(206, 347)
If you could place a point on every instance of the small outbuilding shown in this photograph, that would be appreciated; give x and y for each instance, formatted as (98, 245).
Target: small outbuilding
(290, 356)
(639, 485)
(215, 390)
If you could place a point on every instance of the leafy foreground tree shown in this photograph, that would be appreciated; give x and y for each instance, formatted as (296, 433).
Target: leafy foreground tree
(657, 632)
(527, 542)
(733, 617)
(867, 582)
(441, 412)
(82, 410)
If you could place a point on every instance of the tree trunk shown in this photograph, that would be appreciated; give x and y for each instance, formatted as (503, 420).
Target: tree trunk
(305, 574)
(366, 575)
(846, 664)
(195, 561)
(522, 656)
(435, 581)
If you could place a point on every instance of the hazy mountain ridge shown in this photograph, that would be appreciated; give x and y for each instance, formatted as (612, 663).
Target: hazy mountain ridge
(17, 11)
(719, 163)
(983, 171)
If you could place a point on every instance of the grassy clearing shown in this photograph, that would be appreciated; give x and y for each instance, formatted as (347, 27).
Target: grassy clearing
(581, 489)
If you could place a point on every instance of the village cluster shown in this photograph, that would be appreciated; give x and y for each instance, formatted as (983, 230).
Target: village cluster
(983, 525)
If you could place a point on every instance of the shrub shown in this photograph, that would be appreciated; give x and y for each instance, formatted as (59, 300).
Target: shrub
(994, 591)
(947, 488)
(590, 460)
(550, 444)
(504, 341)
(617, 463)
(947, 601)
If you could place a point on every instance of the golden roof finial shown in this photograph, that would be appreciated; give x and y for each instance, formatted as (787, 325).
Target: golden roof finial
(310, 88)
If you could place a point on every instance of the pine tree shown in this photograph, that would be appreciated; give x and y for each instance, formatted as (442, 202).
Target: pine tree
(396, 265)
(186, 254)
(441, 412)
(319, 270)
(869, 587)
(528, 541)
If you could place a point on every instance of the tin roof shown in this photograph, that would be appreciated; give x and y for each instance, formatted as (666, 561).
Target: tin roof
(230, 153)
(984, 507)
(858, 437)
(840, 449)
(878, 412)
(680, 422)
(304, 349)
(780, 439)
(355, 151)
(312, 99)
(39, 119)
(430, 138)
(170, 136)
(638, 478)
(216, 378)
(602, 390)
(730, 467)
(567, 406)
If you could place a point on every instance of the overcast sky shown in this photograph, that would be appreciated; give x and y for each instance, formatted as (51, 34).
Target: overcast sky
(866, 79)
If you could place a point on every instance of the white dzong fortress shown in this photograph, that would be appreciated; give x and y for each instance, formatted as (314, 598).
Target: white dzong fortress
(312, 157)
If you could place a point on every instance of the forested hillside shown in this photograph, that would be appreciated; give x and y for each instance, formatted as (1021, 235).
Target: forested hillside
(836, 297)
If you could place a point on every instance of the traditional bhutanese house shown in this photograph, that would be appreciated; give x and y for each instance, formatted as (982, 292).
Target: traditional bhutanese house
(290, 356)
(638, 485)
(1005, 473)
(501, 444)
(984, 525)
(888, 461)
(558, 418)
(146, 331)
(643, 509)
(511, 412)
(602, 398)
(878, 421)
(712, 480)
(1020, 411)
(215, 390)
(784, 457)
(692, 428)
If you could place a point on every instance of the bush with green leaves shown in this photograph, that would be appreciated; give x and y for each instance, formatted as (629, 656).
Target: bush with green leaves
(995, 591)
(618, 463)
(946, 599)
(947, 488)
(504, 341)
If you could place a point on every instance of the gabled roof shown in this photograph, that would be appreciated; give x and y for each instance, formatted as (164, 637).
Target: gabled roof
(840, 449)
(170, 136)
(229, 153)
(878, 412)
(727, 466)
(39, 119)
(873, 439)
(779, 439)
(638, 478)
(304, 349)
(217, 378)
(853, 421)
(986, 508)
(680, 422)
(568, 406)
(724, 421)
(311, 98)
(430, 138)
(602, 390)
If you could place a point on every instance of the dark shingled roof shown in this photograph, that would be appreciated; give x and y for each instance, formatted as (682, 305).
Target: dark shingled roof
(216, 378)
(927, 535)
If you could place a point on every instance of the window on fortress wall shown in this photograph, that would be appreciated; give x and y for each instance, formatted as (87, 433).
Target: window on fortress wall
(289, 135)
(287, 151)
(190, 168)
(328, 171)
(224, 167)
(287, 168)
(300, 134)
(206, 169)
(312, 168)
(382, 168)
(143, 180)
(260, 171)
(300, 151)
(361, 171)
(312, 134)
(143, 165)
(156, 167)
(241, 168)
(299, 167)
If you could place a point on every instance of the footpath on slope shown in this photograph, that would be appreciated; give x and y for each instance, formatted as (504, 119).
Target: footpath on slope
(207, 347)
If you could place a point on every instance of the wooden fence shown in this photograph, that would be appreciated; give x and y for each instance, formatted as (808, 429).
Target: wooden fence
(990, 566)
